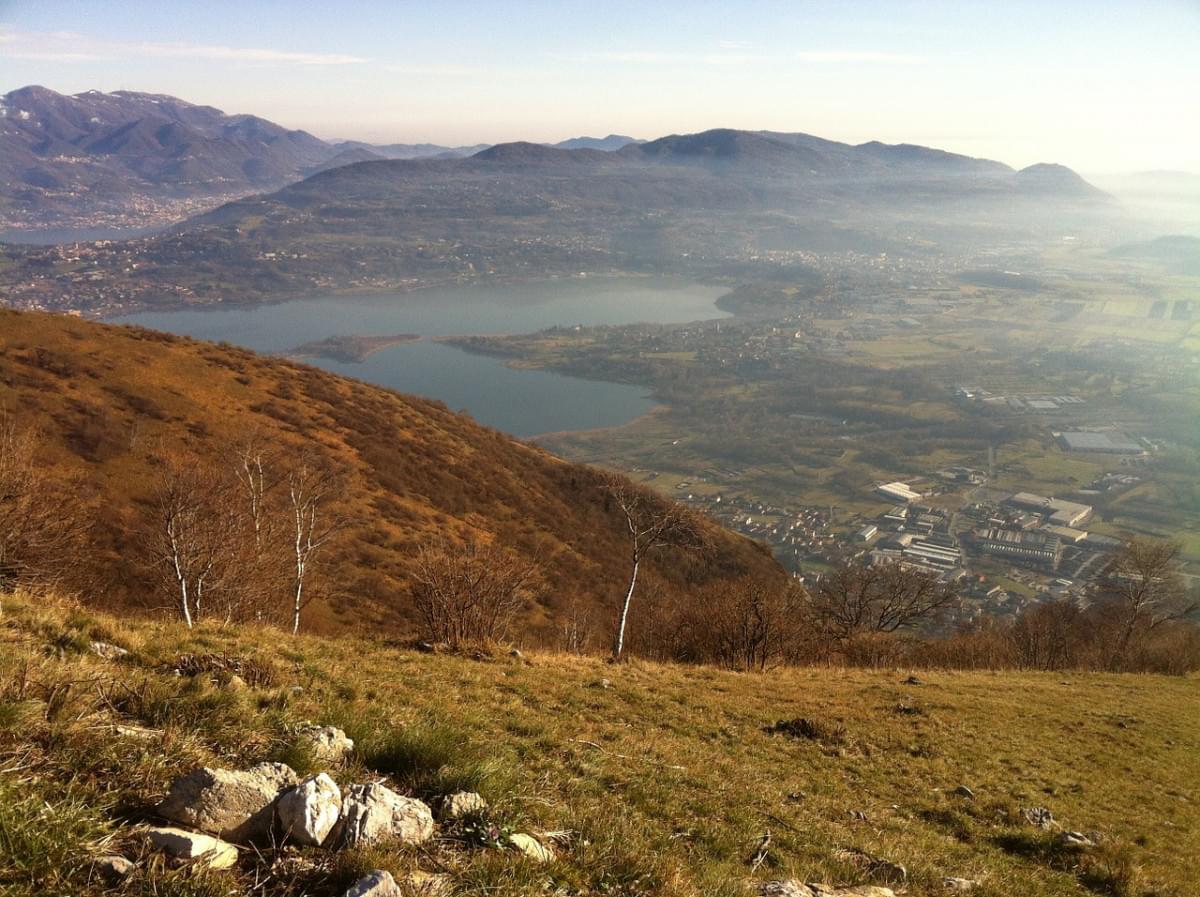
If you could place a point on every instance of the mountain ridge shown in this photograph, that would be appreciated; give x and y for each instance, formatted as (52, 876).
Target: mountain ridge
(135, 160)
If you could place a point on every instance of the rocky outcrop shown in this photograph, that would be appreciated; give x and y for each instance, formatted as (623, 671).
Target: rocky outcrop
(1038, 816)
(235, 805)
(372, 814)
(185, 846)
(309, 811)
(1076, 840)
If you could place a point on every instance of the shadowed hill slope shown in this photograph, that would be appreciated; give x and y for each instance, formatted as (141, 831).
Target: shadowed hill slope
(110, 400)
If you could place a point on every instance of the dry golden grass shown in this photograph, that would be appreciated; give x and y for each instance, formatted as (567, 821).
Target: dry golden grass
(665, 773)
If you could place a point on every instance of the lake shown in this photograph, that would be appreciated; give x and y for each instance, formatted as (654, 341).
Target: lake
(522, 402)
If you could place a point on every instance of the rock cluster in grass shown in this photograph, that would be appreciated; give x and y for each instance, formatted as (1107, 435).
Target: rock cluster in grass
(327, 744)
(372, 814)
(222, 807)
(790, 887)
(211, 811)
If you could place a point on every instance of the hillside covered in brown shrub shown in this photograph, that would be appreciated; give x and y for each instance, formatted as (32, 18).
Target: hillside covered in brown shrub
(112, 405)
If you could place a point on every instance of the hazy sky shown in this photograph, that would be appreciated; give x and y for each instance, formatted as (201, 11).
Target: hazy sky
(1101, 86)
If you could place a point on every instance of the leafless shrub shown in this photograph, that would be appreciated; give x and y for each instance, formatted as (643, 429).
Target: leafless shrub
(1048, 636)
(1141, 592)
(311, 487)
(191, 537)
(576, 629)
(750, 625)
(43, 523)
(468, 595)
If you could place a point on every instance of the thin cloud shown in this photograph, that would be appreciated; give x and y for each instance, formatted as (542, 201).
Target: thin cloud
(435, 70)
(68, 46)
(858, 56)
(652, 57)
(729, 56)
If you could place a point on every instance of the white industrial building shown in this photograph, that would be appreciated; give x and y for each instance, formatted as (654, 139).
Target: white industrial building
(898, 492)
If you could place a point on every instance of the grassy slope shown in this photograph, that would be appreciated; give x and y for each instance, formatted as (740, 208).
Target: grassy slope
(674, 790)
(108, 398)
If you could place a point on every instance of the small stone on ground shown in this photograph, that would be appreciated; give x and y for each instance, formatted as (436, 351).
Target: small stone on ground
(463, 804)
(114, 867)
(181, 844)
(531, 847)
(375, 884)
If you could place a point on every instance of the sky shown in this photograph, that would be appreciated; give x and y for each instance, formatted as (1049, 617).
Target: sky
(1100, 86)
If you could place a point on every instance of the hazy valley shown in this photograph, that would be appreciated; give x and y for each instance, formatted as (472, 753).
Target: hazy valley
(719, 511)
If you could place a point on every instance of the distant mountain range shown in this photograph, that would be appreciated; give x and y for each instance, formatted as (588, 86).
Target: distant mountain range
(723, 203)
(127, 159)
(135, 158)
(610, 143)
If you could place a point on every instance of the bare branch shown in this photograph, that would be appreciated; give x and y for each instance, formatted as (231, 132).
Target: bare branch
(856, 600)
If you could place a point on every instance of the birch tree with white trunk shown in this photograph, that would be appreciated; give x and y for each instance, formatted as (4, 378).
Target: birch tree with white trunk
(651, 522)
(310, 487)
(192, 537)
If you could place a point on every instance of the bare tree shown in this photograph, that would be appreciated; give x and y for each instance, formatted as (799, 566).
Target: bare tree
(264, 513)
(651, 522)
(43, 525)
(1049, 636)
(253, 460)
(310, 486)
(469, 595)
(855, 600)
(751, 625)
(577, 629)
(1143, 590)
(192, 534)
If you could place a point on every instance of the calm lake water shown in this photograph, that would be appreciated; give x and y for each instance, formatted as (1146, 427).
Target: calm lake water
(522, 402)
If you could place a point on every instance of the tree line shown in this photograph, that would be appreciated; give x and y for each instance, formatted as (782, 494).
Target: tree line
(246, 537)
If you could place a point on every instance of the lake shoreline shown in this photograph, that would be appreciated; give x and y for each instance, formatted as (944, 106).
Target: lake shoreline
(351, 348)
(411, 343)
